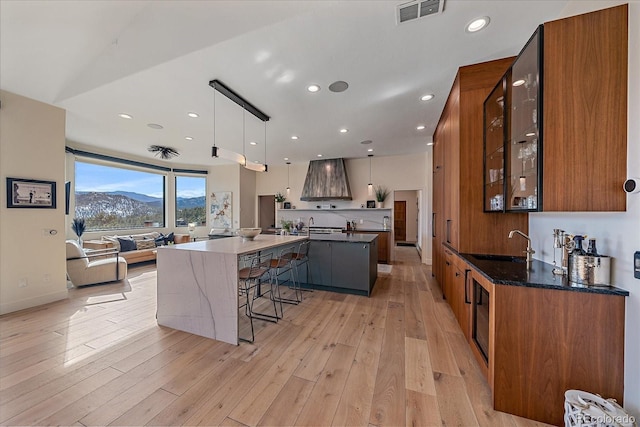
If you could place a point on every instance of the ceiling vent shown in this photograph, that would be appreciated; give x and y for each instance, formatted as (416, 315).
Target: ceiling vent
(418, 9)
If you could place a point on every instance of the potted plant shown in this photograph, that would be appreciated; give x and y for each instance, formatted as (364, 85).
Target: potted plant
(381, 194)
(286, 226)
(78, 226)
(280, 198)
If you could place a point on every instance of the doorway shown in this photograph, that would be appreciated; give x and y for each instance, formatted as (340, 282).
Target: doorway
(266, 212)
(406, 217)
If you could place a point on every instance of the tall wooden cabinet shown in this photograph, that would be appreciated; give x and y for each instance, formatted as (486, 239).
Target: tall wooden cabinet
(458, 217)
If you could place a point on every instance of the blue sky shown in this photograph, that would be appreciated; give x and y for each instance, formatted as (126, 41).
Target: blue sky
(91, 177)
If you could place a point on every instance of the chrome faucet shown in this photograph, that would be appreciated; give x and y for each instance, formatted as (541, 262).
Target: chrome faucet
(310, 222)
(529, 250)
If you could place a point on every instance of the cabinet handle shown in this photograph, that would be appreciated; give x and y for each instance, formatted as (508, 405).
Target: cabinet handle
(433, 224)
(466, 293)
(448, 231)
(457, 274)
(447, 262)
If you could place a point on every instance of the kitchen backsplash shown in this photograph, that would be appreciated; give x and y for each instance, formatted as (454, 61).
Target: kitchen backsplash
(366, 219)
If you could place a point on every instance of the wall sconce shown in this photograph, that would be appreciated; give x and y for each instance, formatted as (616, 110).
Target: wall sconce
(370, 185)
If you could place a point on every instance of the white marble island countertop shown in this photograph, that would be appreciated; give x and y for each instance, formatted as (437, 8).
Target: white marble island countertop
(236, 245)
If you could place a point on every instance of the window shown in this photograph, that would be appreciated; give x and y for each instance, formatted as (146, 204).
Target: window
(191, 202)
(115, 198)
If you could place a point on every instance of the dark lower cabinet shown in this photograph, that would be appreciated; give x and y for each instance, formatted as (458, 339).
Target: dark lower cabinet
(319, 260)
(344, 266)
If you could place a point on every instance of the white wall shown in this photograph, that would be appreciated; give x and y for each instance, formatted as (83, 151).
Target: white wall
(395, 172)
(617, 234)
(248, 198)
(32, 147)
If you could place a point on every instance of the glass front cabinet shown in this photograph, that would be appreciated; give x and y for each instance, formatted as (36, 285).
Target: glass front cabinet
(514, 185)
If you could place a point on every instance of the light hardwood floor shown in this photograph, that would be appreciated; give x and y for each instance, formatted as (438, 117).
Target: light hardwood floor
(99, 358)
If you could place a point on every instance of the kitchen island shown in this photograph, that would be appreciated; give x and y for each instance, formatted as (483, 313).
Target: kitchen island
(342, 262)
(198, 283)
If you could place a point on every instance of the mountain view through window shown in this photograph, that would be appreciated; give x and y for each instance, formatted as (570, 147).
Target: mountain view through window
(111, 198)
(191, 201)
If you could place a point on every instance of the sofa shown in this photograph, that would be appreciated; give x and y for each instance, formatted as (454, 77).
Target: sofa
(137, 248)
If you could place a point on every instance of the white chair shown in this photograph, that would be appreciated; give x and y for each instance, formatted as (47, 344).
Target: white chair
(99, 266)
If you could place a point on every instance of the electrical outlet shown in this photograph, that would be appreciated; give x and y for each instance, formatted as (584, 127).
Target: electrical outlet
(22, 283)
(361, 221)
(46, 278)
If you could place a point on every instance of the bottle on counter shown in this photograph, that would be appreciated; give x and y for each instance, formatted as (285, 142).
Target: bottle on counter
(577, 250)
(591, 249)
(348, 225)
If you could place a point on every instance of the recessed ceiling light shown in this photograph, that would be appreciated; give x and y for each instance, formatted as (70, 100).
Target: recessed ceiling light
(519, 82)
(286, 158)
(366, 142)
(319, 155)
(370, 150)
(313, 88)
(253, 143)
(420, 127)
(294, 137)
(427, 97)
(193, 115)
(430, 143)
(477, 24)
(188, 138)
(125, 116)
(155, 126)
(344, 130)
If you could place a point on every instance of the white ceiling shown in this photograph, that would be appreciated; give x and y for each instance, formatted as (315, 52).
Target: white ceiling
(154, 59)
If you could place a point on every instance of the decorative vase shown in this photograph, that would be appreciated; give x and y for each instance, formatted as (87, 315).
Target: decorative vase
(379, 205)
(79, 241)
(279, 205)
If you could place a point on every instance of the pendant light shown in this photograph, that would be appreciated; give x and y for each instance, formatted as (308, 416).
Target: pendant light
(370, 185)
(288, 187)
(221, 152)
(246, 106)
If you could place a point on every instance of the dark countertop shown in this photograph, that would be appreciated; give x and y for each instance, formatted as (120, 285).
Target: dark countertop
(344, 237)
(540, 276)
(368, 230)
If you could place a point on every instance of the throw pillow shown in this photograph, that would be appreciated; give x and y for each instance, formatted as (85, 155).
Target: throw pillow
(145, 244)
(168, 238)
(160, 240)
(126, 244)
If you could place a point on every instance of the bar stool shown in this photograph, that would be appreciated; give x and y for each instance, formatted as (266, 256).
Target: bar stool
(300, 258)
(280, 266)
(249, 278)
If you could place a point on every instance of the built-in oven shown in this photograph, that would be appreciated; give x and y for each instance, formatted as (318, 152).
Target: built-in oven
(480, 319)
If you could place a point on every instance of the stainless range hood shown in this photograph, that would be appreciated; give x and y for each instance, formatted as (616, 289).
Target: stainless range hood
(326, 180)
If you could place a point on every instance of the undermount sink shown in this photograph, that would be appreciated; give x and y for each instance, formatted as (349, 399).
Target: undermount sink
(507, 258)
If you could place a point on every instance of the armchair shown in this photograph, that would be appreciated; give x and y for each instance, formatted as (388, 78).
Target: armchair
(97, 267)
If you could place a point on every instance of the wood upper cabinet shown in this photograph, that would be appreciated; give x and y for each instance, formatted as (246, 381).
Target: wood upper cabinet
(585, 112)
(459, 219)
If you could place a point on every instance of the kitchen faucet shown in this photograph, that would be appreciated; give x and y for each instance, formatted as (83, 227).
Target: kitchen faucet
(310, 222)
(529, 250)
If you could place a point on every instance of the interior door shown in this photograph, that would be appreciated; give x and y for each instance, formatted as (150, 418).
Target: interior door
(266, 212)
(400, 220)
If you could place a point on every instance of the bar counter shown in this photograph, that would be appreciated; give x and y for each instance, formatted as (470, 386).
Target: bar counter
(198, 283)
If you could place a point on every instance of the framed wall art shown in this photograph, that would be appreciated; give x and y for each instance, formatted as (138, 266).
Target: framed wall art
(31, 193)
(221, 210)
